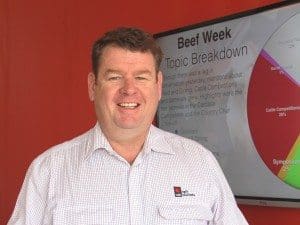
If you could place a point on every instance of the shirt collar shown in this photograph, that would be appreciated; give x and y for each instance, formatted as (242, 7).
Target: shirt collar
(155, 141)
(97, 140)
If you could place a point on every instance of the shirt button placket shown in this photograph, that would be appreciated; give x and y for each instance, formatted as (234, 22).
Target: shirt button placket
(134, 195)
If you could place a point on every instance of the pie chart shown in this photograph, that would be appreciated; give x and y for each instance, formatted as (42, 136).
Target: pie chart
(273, 103)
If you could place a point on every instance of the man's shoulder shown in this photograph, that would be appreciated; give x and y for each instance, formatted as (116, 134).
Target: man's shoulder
(186, 152)
(67, 148)
(180, 144)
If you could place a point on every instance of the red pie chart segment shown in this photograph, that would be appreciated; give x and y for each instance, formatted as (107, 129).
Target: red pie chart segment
(273, 113)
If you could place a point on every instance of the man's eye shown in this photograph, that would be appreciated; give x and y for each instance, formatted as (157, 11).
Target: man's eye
(141, 78)
(114, 77)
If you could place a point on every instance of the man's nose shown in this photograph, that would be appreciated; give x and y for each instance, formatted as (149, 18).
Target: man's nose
(128, 87)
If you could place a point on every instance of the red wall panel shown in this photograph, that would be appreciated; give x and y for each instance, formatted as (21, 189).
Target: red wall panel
(44, 62)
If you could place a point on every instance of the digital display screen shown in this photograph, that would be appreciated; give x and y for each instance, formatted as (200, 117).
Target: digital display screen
(233, 85)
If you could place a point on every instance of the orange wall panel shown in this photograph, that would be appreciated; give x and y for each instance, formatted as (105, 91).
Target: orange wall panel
(44, 62)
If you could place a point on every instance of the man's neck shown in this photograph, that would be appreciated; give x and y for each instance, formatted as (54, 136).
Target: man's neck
(127, 144)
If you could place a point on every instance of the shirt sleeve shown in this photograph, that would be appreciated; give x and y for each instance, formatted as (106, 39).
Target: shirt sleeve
(226, 210)
(32, 203)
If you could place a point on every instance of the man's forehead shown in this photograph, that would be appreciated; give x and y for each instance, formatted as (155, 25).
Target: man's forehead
(113, 55)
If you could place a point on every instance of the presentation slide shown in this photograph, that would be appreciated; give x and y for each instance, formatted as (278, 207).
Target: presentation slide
(234, 86)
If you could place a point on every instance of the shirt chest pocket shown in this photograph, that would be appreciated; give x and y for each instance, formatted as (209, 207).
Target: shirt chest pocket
(185, 214)
(83, 215)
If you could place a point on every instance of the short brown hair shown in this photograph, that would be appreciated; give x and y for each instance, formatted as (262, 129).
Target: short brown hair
(129, 38)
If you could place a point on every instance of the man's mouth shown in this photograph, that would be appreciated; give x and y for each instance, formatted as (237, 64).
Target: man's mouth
(129, 105)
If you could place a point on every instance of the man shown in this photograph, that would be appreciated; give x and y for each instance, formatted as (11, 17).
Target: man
(124, 170)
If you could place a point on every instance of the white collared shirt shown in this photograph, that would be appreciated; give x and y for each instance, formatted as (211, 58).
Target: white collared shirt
(84, 181)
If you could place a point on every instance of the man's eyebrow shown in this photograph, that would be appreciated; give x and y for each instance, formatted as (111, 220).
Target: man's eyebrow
(110, 71)
(140, 72)
(136, 73)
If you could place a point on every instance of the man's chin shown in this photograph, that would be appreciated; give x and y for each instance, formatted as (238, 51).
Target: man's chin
(132, 126)
(128, 126)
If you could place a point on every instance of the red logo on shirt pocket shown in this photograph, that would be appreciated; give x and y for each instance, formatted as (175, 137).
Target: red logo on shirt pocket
(177, 192)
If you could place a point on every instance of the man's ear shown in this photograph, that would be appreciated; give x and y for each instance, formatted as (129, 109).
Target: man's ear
(91, 85)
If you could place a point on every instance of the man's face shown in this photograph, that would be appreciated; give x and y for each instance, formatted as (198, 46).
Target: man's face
(127, 90)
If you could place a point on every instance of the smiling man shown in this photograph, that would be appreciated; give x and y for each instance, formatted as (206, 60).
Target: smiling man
(124, 170)
(125, 87)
